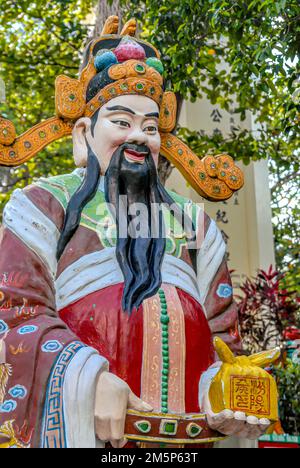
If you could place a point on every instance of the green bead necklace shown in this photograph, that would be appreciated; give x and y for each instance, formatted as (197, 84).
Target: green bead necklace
(164, 320)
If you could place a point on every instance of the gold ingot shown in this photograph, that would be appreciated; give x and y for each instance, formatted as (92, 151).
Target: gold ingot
(242, 385)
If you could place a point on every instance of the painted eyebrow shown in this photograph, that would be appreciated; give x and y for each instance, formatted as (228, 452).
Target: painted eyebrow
(121, 108)
(130, 111)
(153, 114)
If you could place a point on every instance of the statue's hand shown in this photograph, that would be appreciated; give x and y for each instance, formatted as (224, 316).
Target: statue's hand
(113, 398)
(242, 399)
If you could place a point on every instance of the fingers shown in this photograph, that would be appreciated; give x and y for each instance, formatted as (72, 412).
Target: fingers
(111, 429)
(137, 404)
(228, 422)
(224, 353)
(110, 407)
(238, 425)
(264, 424)
(253, 428)
(117, 427)
(118, 443)
(226, 427)
(235, 423)
(113, 398)
(102, 428)
(217, 421)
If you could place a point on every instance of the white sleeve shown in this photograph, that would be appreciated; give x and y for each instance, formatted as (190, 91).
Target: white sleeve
(206, 380)
(79, 398)
(209, 259)
(33, 227)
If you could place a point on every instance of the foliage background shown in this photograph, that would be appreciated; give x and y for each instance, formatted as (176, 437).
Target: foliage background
(258, 39)
(288, 379)
(265, 311)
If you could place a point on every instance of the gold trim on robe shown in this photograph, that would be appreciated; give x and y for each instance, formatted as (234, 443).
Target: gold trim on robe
(152, 353)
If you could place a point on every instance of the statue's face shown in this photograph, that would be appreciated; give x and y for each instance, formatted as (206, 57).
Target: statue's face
(124, 119)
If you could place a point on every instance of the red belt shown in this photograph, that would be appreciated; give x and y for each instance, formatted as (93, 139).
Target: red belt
(169, 428)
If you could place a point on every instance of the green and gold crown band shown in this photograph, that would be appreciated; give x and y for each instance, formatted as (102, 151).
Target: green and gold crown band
(123, 65)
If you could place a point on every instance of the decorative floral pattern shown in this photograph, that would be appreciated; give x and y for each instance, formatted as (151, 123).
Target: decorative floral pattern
(8, 406)
(224, 291)
(18, 392)
(52, 346)
(27, 330)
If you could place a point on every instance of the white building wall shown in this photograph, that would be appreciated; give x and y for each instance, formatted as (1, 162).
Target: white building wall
(246, 219)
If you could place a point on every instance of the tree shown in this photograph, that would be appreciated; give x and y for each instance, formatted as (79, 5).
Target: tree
(38, 41)
(259, 40)
(105, 9)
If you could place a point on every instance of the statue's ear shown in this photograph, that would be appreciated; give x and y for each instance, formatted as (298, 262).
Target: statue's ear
(80, 151)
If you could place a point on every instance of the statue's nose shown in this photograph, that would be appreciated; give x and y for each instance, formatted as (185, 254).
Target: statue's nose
(137, 136)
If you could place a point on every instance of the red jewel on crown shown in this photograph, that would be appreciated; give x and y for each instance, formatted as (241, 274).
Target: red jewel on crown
(128, 49)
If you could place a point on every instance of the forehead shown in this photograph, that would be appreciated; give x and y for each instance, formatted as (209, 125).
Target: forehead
(141, 105)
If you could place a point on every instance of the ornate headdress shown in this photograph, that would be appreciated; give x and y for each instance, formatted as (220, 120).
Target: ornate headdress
(117, 65)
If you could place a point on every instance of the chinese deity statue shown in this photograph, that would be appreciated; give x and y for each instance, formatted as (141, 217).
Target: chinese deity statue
(106, 334)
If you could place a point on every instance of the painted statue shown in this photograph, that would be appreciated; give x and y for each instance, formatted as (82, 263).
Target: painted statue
(106, 330)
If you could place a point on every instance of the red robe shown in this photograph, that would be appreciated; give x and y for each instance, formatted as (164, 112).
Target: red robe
(41, 341)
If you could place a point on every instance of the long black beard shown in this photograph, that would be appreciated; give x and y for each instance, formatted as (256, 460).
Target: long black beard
(139, 258)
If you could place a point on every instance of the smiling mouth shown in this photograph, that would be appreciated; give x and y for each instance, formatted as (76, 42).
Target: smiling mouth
(135, 156)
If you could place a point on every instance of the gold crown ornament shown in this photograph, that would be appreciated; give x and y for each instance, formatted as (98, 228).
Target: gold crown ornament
(121, 65)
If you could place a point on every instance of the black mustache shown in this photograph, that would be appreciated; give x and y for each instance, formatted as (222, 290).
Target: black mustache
(135, 147)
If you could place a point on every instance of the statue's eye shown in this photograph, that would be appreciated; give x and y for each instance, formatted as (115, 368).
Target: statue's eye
(121, 123)
(150, 129)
